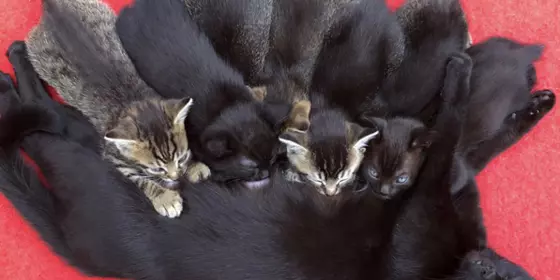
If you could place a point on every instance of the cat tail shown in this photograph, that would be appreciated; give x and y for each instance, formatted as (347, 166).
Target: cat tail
(20, 184)
(440, 18)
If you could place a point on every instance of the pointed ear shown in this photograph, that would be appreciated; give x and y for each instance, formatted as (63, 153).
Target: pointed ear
(533, 52)
(294, 141)
(422, 138)
(259, 93)
(182, 107)
(362, 136)
(299, 116)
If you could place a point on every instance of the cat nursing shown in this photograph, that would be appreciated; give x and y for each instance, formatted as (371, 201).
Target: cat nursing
(76, 49)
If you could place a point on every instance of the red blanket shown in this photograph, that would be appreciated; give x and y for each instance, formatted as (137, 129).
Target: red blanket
(519, 189)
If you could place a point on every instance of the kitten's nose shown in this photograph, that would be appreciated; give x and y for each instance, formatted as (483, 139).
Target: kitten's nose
(331, 189)
(173, 175)
(386, 189)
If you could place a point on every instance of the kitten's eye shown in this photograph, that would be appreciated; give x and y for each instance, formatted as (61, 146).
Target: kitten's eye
(373, 173)
(316, 181)
(344, 180)
(402, 179)
(157, 170)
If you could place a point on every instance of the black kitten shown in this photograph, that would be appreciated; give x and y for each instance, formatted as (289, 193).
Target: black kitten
(238, 31)
(361, 50)
(426, 225)
(502, 108)
(434, 30)
(231, 131)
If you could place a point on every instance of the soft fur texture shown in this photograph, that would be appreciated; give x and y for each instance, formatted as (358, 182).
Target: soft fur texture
(275, 233)
(229, 129)
(433, 30)
(238, 31)
(76, 49)
(362, 49)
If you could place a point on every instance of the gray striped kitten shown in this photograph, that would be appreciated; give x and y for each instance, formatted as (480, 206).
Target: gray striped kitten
(75, 49)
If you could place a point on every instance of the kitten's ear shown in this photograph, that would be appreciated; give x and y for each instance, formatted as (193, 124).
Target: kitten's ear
(299, 116)
(362, 136)
(422, 138)
(533, 52)
(259, 93)
(294, 141)
(182, 106)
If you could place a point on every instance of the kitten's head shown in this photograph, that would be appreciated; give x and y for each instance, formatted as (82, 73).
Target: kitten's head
(329, 153)
(150, 136)
(393, 160)
(242, 143)
(488, 265)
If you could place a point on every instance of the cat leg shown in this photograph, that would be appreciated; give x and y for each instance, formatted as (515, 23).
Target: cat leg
(197, 172)
(30, 87)
(8, 94)
(515, 127)
(167, 203)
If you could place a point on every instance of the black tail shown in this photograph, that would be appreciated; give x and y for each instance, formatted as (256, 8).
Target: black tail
(22, 187)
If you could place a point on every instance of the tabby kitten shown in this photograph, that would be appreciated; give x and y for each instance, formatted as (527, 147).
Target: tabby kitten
(75, 48)
(329, 153)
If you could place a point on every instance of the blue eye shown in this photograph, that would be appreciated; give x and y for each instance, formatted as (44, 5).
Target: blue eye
(157, 170)
(402, 179)
(373, 173)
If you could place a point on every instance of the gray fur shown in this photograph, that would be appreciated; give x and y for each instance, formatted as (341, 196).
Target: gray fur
(114, 87)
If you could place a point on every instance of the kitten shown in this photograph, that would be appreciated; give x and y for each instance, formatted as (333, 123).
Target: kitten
(281, 229)
(238, 31)
(426, 224)
(434, 30)
(291, 57)
(230, 129)
(329, 154)
(76, 49)
(358, 54)
(502, 109)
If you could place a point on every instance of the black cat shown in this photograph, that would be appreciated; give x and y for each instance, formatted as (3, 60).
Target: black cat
(93, 216)
(364, 47)
(434, 30)
(231, 131)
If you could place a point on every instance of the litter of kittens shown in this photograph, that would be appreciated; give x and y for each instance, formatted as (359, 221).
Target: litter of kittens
(270, 139)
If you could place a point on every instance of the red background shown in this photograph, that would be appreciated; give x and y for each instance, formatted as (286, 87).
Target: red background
(519, 189)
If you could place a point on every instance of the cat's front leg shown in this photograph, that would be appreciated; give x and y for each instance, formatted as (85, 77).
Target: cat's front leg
(514, 128)
(198, 171)
(167, 203)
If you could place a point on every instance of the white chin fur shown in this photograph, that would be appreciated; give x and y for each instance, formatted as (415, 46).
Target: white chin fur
(257, 184)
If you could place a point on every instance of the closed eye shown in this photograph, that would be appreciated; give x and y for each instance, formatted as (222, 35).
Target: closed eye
(316, 181)
(157, 170)
(185, 159)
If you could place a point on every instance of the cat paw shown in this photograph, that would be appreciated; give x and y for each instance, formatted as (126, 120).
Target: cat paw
(198, 172)
(541, 103)
(292, 176)
(168, 204)
(16, 48)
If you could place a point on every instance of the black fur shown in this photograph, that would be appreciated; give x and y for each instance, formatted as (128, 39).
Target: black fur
(103, 225)
(238, 31)
(32, 91)
(434, 30)
(488, 265)
(227, 126)
(362, 49)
